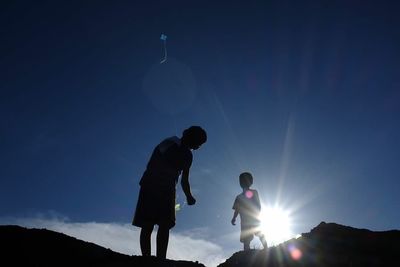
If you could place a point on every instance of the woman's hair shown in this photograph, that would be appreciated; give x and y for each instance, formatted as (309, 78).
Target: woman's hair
(245, 179)
(195, 135)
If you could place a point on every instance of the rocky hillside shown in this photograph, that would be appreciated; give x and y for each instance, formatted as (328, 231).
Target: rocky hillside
(40, 247)
(328, 245)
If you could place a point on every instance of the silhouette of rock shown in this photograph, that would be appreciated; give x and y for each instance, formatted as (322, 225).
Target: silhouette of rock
(327, 245)
(40, 247)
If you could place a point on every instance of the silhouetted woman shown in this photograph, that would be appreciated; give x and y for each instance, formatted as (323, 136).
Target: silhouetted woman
(156, 204)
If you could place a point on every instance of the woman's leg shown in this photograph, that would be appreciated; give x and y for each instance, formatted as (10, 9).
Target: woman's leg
(145, 240)
(162, 241)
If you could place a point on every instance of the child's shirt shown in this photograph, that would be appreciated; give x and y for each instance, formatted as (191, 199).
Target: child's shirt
(247, 204)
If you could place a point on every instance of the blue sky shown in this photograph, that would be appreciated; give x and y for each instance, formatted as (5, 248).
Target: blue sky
(303, 94)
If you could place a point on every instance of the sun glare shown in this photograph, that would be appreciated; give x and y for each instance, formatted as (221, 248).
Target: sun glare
(275, 224)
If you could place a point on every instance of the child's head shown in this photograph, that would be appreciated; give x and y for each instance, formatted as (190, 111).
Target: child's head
(245, 179)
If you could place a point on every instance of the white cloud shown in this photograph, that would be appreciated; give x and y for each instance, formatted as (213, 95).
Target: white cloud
(124, 238)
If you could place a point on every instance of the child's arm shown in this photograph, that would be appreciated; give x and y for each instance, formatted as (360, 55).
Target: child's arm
(186, 187)
(235, 214)
(257, 201)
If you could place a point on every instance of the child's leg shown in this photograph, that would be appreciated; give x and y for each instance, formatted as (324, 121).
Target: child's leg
(246, 245)
(162, 241)
(246, 236)
(263, 241)
(145, 236)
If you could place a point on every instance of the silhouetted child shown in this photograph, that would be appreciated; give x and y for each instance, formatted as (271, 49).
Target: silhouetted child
(247, 205)
(156, 202)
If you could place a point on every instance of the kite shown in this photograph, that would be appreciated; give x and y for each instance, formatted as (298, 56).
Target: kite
(163, 38)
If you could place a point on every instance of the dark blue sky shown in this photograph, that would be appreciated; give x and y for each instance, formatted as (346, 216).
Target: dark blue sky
(303, 94)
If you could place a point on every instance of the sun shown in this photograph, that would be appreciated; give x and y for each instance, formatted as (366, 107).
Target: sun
(275, 224)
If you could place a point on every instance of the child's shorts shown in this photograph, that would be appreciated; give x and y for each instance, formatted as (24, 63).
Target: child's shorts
(247, 232)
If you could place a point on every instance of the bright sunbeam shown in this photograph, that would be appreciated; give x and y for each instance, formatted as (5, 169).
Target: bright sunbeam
(275, 224)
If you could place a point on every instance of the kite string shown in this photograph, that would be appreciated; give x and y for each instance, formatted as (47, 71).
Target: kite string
(165, 52)
(165, 49)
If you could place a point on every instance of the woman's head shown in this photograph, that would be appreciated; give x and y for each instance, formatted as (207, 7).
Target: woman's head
(194, 137)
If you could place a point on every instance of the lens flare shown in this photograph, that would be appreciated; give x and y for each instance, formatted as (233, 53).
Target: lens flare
(249, 194)
(295, 253)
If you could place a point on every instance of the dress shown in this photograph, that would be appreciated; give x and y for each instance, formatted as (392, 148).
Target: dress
(156, 202)
(247, 204)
